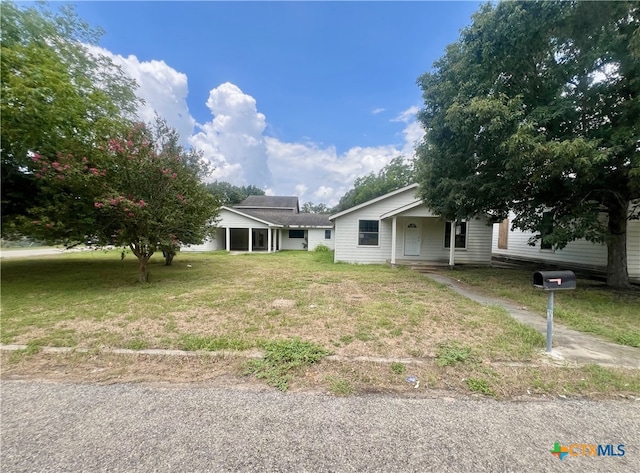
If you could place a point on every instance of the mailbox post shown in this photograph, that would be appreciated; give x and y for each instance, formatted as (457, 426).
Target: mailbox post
(552, 281)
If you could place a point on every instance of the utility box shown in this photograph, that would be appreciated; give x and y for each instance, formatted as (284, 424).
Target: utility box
(554, 280)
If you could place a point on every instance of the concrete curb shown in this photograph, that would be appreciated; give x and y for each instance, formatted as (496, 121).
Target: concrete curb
(554, 358)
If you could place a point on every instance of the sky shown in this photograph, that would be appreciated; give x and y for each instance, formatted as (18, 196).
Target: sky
(297, 98)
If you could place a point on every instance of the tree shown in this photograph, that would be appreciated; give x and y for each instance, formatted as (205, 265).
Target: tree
(310, 207)
(143, 191)
(535, 110)
(395, 175)
(55, 96)
(228, 194)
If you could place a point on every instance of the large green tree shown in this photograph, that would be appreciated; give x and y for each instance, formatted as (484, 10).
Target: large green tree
(143, 190)
(55, 96)
(228, 194)
(536, 109)
(395, 175)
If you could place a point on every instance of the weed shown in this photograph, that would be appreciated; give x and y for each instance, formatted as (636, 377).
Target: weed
(452, 353)
(398, 368)
(282, 357)
(137, 344)
(480, 386)
(193, 342)
(346, 339)
(340, 386)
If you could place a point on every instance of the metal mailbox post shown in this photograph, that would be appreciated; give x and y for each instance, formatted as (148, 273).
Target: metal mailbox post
(552, 281)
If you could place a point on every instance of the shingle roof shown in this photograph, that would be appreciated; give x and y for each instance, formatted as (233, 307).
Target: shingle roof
(269, 202)
(290, 219)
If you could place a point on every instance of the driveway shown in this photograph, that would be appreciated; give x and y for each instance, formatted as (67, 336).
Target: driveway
(124, 427)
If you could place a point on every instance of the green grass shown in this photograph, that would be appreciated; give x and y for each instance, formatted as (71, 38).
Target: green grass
(282, 358)
(292, 305)
(591, 307)
(452, 353)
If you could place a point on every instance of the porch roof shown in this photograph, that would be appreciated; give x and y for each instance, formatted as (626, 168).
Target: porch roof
(284, 219)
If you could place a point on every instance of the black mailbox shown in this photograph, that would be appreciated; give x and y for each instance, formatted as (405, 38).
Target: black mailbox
(554, 280)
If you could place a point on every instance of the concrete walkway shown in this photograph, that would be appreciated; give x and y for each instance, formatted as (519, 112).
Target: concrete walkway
(569, 346)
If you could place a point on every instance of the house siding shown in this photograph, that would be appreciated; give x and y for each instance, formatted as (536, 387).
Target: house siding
(287, 243)
(316, 237)
(346, 226)
(432, 231)
(432, 248)
(209, 245)
(580, 253)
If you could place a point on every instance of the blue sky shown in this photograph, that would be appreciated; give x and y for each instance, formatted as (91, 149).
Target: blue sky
(299, 98)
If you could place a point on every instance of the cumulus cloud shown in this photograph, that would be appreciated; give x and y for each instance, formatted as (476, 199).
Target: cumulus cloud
(163, 89)
(327, 174)
(233, 140)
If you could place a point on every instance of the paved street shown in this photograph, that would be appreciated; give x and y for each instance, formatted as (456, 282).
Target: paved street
(123, 427)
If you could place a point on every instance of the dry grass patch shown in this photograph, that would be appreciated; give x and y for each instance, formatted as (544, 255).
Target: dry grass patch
(219, 301)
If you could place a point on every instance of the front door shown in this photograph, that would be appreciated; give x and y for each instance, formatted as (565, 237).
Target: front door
(412, 239)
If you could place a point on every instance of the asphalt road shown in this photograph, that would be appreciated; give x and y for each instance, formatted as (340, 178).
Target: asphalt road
(124, 427)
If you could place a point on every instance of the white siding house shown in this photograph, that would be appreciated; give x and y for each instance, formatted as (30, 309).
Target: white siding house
(398, 226)
(268, 223)
(580, 254)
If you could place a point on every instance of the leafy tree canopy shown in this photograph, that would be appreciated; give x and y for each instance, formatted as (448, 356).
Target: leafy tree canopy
(228, 194)
(55, 96)
(310, 207)
(395, 175)
(535, 109)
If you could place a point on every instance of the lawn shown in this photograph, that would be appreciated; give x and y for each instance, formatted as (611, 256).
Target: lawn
(293, 307)
(591, 307)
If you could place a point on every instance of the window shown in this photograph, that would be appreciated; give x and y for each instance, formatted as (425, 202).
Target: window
(368, 232)
(327, 234)
(461, 235)
(546, 228)
(296, 233)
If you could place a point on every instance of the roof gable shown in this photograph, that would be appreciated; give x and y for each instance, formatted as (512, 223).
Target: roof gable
(373, 201)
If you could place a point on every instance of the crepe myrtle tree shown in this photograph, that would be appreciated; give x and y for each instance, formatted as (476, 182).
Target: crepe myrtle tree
(145, 192)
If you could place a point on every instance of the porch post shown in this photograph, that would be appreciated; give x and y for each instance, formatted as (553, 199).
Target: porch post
(452, 243)
(250, 240)
(394, 234)
(269, 240)
(227, 235)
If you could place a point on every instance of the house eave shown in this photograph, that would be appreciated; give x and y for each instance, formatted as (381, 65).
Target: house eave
(373, 201)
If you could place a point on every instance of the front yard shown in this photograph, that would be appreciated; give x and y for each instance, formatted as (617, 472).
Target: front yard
(285, 301)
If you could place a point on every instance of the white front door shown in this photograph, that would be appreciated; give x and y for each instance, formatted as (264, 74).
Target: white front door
(412, 240)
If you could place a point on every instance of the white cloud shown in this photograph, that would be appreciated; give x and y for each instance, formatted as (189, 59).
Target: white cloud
(413, 134)
(407, 116)
(301, 190)
(375, 111)
(163, 89)
(233, 140)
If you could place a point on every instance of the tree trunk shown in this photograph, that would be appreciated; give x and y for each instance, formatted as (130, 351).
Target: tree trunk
(143, 268)
(143, 253)
(617, 274)
(168, 258)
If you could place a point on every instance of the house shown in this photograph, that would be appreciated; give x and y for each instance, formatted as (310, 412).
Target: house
(268, 223)
(513, 244)
(398, 226)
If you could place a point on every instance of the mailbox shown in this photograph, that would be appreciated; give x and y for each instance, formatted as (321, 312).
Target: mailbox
(554, 280)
